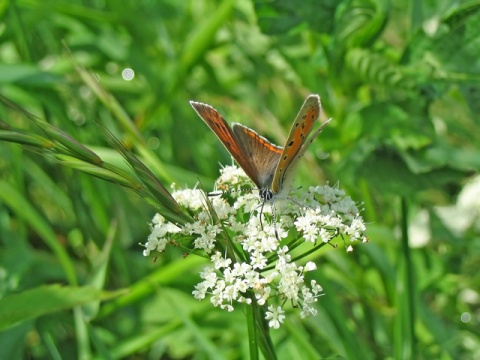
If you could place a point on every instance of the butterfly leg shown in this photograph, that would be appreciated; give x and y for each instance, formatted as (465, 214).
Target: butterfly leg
(274, 216)
(267, 195)
(261, 213)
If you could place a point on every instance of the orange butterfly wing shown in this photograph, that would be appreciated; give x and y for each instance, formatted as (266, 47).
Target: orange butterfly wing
(301, 128)
(219, 126)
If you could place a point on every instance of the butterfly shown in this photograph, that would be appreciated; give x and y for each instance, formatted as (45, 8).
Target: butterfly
(268, 165)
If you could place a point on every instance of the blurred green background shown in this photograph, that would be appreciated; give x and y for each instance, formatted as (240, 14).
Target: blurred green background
(402, 83)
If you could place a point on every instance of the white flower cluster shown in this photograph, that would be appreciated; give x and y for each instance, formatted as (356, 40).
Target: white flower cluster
(251, 250)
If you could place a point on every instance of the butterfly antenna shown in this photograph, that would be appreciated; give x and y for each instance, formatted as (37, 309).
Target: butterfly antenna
(222, 192)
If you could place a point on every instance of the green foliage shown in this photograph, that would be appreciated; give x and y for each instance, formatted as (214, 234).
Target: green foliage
(402, 83)
(16, 308)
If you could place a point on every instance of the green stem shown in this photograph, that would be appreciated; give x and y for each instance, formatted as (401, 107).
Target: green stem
(259, 332)
(252, 333)
(410, 287)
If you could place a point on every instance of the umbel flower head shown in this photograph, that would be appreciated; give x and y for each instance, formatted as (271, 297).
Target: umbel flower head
(256, 250)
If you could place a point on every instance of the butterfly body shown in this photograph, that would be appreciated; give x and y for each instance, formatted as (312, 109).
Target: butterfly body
(268, 165)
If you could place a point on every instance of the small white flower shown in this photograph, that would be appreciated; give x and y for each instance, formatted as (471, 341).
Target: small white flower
(190, 198)
(310, 266)
(222, 208)
(229, 308)
(316, 288)
(345, 206)
(205, 242)
(158, 219)
(230, 293)
(308, 311)
(219, 261)
(200, 291)
(232, 175)
(275, 316)
(324, 235)
(258, 260)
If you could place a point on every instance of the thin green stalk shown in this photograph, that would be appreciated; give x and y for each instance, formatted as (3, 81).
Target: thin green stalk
(252, 332)
(81, 332)
(408, 312)
(263, 339)
(259, 332)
